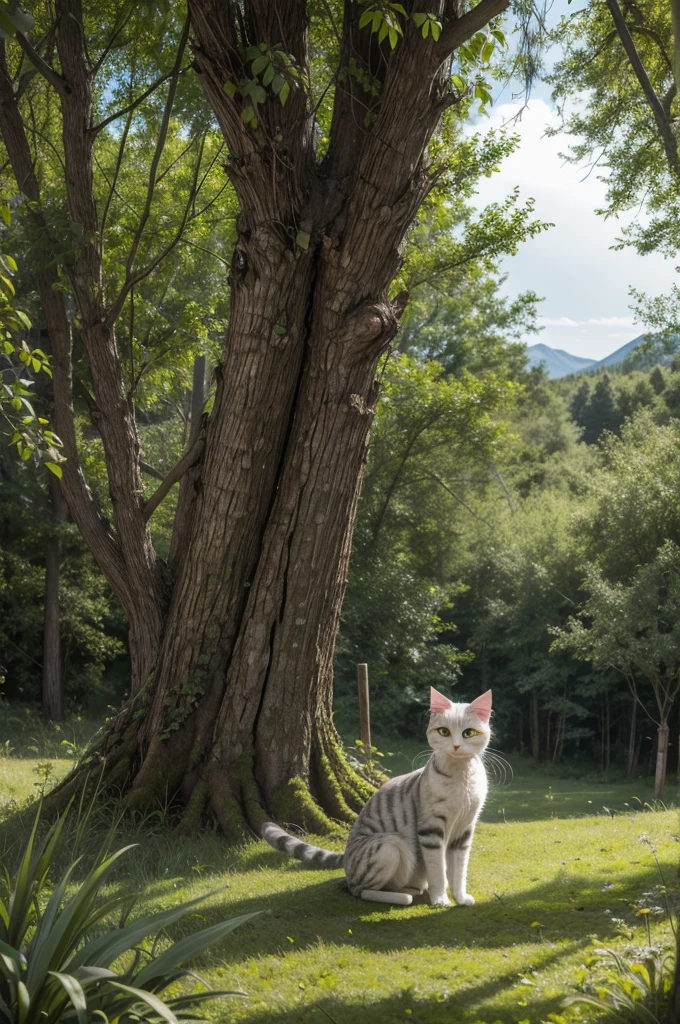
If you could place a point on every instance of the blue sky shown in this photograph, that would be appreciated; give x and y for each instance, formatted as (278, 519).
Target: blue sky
(584, 282)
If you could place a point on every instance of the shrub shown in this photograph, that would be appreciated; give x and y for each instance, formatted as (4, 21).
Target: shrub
(60, 961)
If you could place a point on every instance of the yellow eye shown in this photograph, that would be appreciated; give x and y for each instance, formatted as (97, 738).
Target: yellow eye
(443, 731)
(469, 733)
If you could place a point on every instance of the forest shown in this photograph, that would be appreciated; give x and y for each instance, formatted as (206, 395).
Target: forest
(266, 414)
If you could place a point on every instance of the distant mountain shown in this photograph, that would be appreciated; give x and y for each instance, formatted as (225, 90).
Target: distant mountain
(561, 364)
(558, 363)
(621, 353)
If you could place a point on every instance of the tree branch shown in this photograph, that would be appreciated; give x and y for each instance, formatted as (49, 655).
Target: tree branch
(49, 74)
(663, 124)
(456, 32)
(134, 104)
(186, 462)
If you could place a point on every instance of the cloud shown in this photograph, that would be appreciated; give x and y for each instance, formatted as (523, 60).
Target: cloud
(611, 321)
(562, 321)
(592, 321)
(572, 265)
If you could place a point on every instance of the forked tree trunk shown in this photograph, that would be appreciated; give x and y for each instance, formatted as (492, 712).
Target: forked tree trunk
(232, 642)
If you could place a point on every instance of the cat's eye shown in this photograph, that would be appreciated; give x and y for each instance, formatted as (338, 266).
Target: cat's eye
(443, 731)
(469, 733)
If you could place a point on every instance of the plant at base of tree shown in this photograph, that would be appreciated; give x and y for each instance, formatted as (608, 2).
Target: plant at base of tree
(57, 953)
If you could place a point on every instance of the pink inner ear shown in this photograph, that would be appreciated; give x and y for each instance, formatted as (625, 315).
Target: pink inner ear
(438, 702)
(481, 706)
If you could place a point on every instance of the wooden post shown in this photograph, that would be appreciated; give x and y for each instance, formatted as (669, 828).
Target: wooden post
(364, 709)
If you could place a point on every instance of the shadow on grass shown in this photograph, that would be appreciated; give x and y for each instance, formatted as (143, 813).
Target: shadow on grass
(451, 1006)
(568, 907)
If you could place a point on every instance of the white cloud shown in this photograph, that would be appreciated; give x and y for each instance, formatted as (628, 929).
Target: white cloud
(562, 321)
(583, 280)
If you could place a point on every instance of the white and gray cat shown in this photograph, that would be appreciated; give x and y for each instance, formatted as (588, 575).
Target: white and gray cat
(415, 833)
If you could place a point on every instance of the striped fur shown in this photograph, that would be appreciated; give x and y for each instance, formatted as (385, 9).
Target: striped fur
(305, 852)
(415, 833)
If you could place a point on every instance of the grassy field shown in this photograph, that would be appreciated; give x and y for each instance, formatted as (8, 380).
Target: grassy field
(556, 864)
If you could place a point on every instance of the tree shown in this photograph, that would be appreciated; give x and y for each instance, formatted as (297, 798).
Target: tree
(635, 630)
(328, 119)
(625, 58)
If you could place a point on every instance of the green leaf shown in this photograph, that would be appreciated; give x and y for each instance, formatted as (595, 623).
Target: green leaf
(247, 114)
(259, 64)
(280, 330)
(258, 94)
(365, 18)
(268, 75)
(284, 93)
(419, 18)
(436, 29)
(278, 83)
(487, 50)
(499, 36)
(55, 468)
(230, 89)
(189, 947)
(161, 1008)
(75, 993)
(302, 239)
(8, 347)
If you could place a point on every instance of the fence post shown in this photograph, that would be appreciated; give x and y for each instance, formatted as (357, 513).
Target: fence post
(364, 709)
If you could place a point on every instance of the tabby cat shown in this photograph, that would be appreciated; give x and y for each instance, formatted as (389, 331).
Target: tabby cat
(415, 833)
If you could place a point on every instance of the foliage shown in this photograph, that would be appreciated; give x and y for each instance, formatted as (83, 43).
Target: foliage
(58, 952)
(19, 364)
(629, 987)
(431, 429)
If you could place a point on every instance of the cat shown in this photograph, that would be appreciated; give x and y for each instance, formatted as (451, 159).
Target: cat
(415, 832)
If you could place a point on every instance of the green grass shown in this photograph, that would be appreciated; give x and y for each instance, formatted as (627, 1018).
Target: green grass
(550, 876)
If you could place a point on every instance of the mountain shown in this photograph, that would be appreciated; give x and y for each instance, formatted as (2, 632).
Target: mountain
(558, 363)
(561, 364)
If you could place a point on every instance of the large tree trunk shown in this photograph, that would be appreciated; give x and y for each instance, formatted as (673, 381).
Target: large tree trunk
(232, 643)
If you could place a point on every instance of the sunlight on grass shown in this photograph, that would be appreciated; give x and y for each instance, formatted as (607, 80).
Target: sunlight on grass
(549, 889)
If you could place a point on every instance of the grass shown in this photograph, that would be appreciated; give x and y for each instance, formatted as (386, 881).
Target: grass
(552, 877)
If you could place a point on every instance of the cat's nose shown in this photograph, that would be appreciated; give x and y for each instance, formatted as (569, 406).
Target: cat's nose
(456, 746)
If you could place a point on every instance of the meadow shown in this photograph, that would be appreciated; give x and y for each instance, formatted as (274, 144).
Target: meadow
(560, 866)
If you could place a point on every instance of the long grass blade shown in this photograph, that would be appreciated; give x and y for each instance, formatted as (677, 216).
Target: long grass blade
(189, 947)
(102, 951)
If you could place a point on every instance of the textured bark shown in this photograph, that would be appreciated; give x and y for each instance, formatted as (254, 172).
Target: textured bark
(233, 642)
(661, 758)
(53, 670)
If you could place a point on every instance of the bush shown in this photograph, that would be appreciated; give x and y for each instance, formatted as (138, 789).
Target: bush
(57, 954)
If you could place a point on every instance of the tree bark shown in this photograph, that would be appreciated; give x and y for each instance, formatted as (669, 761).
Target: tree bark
(52, 674)
(534, 728)
(632, 748)
(661, 759)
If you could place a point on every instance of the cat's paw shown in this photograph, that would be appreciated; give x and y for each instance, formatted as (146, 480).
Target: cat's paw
(440, 901)
(465, 900)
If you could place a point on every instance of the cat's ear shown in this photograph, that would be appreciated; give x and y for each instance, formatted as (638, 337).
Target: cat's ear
(481, 706)
(438, 702)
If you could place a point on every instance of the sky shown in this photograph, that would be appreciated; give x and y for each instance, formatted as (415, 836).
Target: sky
(583, 281)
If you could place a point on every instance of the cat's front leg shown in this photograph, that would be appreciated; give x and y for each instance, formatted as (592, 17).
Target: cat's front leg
(457, 857)
(432, 847)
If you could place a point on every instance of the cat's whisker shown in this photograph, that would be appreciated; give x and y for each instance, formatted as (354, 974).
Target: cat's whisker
(421, 759)
(499, 765)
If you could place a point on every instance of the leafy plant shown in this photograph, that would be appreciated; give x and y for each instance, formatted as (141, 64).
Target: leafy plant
(57, 958)
(633, 987)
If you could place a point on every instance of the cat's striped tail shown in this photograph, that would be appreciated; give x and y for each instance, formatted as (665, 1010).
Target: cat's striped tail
(280, 840)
